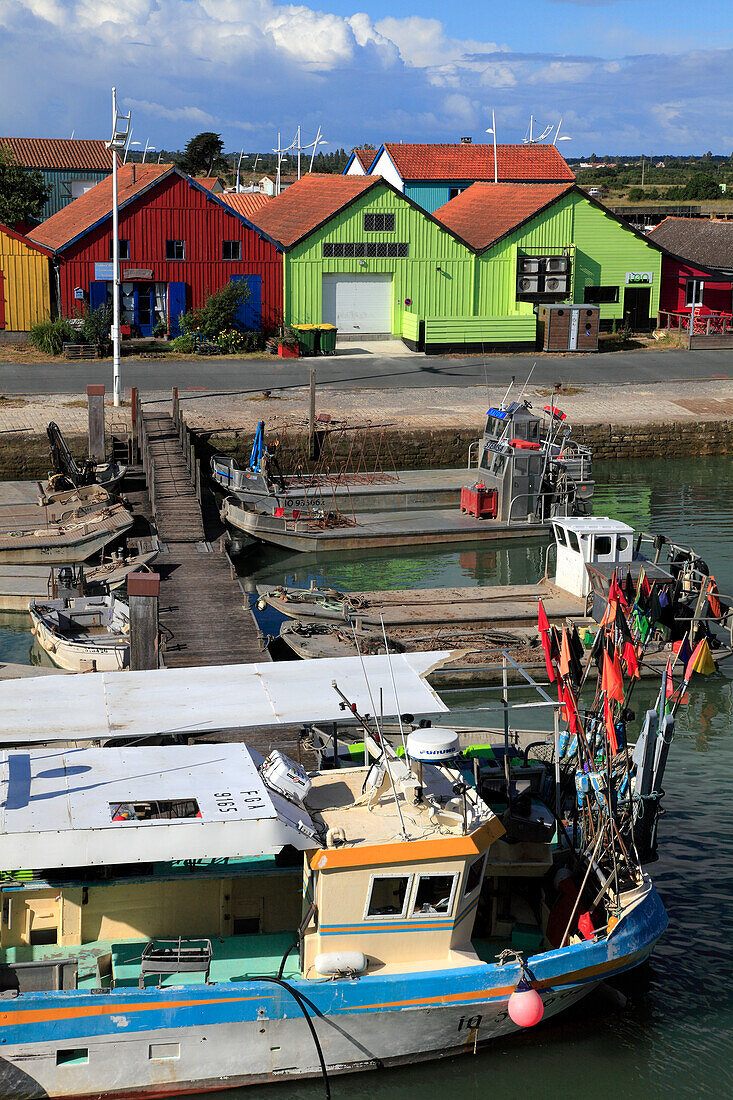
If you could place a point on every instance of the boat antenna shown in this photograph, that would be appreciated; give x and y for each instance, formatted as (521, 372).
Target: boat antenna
(394, 685)
(508, 389)
(380, 726)
(528, 378)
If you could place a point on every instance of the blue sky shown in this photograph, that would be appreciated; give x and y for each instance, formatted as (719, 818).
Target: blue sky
(625, 75)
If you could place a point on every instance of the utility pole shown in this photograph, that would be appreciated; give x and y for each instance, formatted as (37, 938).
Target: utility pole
(642, 169)
(120, 134)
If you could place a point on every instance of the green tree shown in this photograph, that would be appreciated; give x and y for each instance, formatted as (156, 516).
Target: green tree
(701, 185)
(204, 155)
(22, 193)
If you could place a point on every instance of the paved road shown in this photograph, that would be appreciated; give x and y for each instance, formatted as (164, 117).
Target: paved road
(357, 371)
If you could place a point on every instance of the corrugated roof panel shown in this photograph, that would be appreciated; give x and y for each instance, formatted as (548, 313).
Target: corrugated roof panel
(60, 153)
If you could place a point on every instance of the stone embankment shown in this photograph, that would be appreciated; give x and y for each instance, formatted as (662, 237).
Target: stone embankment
(410, 428)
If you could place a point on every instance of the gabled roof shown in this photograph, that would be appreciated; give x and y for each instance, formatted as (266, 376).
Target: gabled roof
(476, 162)
(8, 232)
(485, 212)
(95, 206)
(96, 203)
(308, 203)
(246, 202)
(78, 154)
(364, 158)
(699, 241)
(210, 182)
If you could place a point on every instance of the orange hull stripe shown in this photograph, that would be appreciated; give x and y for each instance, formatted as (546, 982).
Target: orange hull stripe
(37, 1016)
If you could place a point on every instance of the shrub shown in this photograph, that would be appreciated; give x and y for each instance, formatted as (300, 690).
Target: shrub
(95, 326)
(218, 313)
(50, 336)
(185, 343)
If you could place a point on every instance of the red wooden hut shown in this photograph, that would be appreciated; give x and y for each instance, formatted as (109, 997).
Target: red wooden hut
(178, 243)
(697, 267)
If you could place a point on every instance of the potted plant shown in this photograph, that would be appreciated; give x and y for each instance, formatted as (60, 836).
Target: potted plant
(288, 345)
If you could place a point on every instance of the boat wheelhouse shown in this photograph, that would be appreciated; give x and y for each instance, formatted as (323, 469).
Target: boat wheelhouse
(193, 918)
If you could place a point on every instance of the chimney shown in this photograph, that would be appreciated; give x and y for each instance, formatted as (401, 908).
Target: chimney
(465, 141)
(133, 171)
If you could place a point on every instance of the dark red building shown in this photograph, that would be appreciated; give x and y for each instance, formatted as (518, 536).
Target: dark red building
(697, 268)
(178, 243)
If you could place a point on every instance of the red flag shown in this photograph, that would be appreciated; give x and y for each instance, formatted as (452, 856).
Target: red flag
(571, 710)
(609, 615)
(616, 593)
(713, 600)
(544, 628)
(690, 667)
(669, 684)
(610, 728)
(565, 655)
(632, 664)
(612, 681)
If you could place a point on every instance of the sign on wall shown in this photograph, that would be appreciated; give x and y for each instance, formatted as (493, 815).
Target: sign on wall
(78, 293)
(104, 272)
(643, 277)
(137, 273)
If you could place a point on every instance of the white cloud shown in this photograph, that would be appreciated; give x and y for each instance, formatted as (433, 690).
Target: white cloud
(173, 114)
(423, 42)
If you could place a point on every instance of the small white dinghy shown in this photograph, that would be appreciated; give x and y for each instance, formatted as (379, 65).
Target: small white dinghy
(84, 633)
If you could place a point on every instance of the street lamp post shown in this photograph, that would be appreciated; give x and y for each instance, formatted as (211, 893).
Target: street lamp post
(120, 134)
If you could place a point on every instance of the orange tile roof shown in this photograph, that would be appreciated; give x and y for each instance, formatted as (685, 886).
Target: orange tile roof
(78, 154)
(308, 203)
(95, 204)
(209, 182)
(365, 157)
(485, 212)
(533, 163)
(246, 203)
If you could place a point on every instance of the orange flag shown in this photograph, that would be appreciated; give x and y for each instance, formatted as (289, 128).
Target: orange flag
(609, 615)
(612, 681)
(632, 664)
(565, 655)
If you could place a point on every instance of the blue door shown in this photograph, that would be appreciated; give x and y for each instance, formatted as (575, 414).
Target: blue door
(249, 315)
(176, 306)
(144, 308)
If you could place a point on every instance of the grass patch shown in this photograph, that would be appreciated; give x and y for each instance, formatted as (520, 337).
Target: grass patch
(12, 402)
(563, 391)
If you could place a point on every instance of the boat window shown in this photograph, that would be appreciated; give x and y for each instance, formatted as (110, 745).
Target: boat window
(573, 540)
(602, 546)
(434, 894)
(164, 810)
(560, 536)
(474, 876)
(622, 543)
(388, 895)
(497, 467)
(72, 1056)
(43, 937)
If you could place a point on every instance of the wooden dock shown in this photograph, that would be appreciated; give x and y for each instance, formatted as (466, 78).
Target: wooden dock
(204, 615)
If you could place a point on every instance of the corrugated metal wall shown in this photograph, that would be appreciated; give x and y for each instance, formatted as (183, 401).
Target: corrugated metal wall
(605, 250)
(26, 284)
(60, 183)
(472, 330)
(602, 251)
(428, 195)
(437, 277)
(177, 211)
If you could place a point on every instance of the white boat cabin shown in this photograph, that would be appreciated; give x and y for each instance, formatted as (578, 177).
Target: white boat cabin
(583, 541)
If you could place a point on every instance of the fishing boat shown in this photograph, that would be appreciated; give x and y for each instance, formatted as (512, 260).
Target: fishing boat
(65, 472)
(195, 918)
(670, 588)
(62, 528)
(83, 633)
(525, 470)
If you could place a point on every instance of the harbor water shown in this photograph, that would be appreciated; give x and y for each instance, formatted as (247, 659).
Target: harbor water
(672, 1037)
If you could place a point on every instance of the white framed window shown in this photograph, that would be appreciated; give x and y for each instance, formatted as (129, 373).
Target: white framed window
(474, 876)
(434, 895)
(693, 292)
(175, 250)
(388, 896)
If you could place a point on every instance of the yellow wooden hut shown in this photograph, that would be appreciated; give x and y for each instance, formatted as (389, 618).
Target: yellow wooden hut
(25, 285)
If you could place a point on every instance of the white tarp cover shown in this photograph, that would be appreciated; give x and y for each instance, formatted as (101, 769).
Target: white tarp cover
(218, 697)
(59, 807)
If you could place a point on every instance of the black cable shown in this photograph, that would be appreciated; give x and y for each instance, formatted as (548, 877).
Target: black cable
(285, 957)
(302, 1006)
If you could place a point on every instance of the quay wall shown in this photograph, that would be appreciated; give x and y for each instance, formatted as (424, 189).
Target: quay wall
(448, 447)
(24, 456)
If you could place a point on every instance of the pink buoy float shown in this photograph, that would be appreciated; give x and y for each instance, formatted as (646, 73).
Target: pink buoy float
(525, 1004)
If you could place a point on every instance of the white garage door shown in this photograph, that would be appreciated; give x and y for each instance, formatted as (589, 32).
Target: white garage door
(358, 303)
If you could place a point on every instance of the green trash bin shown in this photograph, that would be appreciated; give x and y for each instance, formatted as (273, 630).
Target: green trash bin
(308, 336)
(328, 339)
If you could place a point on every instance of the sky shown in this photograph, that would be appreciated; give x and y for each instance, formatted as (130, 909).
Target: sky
(625, 76)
